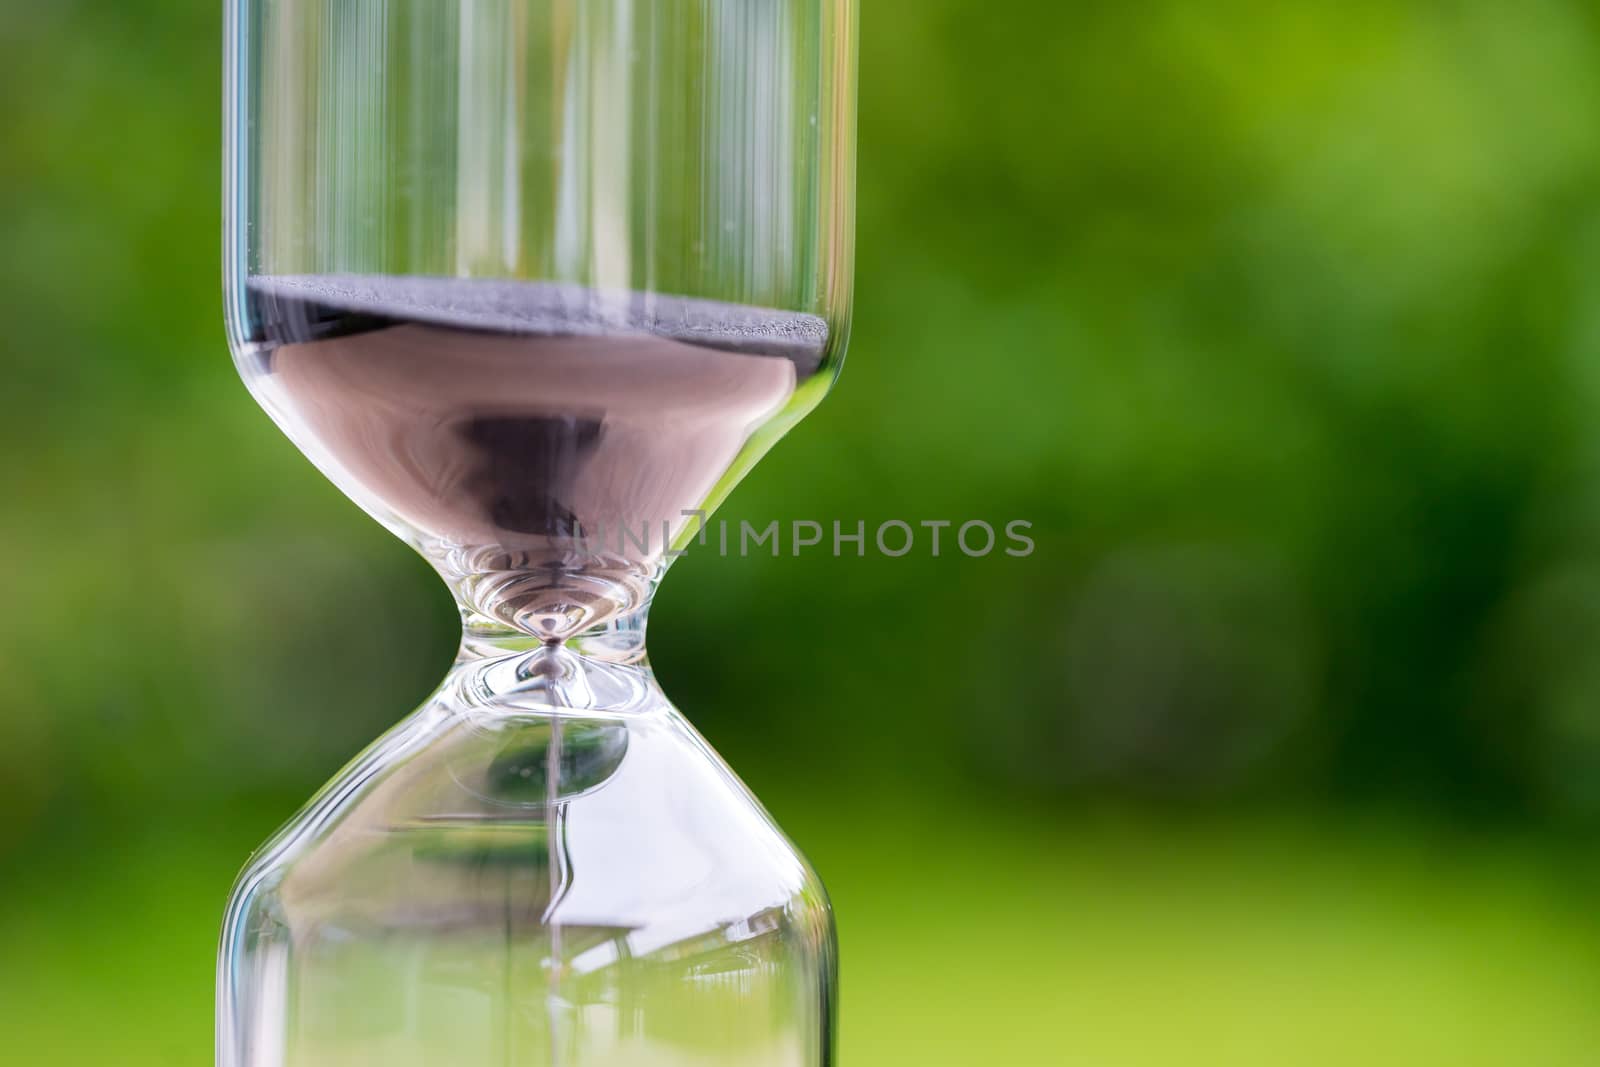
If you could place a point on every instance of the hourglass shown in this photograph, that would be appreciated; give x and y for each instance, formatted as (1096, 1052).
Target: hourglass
(535, 282)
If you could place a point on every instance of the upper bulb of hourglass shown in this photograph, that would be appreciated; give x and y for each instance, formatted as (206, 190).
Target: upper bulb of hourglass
(546, 446)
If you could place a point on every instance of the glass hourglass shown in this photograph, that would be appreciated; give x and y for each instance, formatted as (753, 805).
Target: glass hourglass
(535, 282)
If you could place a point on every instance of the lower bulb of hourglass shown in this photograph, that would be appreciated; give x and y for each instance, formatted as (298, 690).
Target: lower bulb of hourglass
(544, 865)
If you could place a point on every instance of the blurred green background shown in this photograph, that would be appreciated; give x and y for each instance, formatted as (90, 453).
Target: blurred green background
(1279, 320)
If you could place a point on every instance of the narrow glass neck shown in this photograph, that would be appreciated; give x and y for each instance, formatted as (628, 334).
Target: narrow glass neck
(603, 669)
(620, 638)
(551, 589)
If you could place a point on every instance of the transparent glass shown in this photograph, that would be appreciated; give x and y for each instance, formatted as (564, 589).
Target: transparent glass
(535, 282)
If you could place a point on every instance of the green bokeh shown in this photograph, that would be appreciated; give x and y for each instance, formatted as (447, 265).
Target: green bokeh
(1279, 321)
